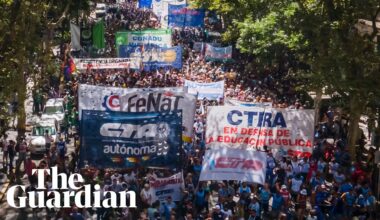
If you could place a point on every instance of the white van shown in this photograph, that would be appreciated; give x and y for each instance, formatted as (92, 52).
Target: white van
(37, 141)
(54, 109)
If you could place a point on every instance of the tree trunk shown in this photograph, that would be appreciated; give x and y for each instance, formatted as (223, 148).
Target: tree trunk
(21, 114)
(317, 105)
(353, 130)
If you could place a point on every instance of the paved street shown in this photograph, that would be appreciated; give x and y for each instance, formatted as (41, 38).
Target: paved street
(7, 212)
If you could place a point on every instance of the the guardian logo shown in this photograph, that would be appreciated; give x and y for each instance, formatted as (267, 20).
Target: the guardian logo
(66, 191)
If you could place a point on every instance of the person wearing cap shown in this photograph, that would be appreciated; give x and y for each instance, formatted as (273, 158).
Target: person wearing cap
(301, 203)
(254, 204)
(217, 214)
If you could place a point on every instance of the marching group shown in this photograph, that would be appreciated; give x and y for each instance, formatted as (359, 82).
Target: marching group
(327, 185)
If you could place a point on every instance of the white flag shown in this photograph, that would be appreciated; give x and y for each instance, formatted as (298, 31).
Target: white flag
(75, 36)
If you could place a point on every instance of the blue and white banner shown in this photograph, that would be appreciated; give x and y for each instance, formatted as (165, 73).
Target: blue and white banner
(201, 46)
(234, 164)
(233, 102)
(210, 91)
(145, 3)
(153, 57)
(106, 98)
(183, 16)
(218, 53)
(154, 101)
(128, 140)
(169, 186)
(255, 127)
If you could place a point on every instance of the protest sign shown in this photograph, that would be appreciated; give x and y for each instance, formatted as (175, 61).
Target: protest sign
(128, 139)
(159, 37)
(211, 91)
(253, 127)
(104, 98)
(153, 57)
(156, 101)
(169, 186)
(218, 53)
(183, 16)
(145, 3)
(234, 164)
(107, 63)
(233, 102)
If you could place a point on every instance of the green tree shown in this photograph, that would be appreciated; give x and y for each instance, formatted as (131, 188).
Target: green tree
(28, 34)
(332, 53)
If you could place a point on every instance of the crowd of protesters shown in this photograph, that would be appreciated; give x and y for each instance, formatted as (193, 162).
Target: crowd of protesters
(326, 185)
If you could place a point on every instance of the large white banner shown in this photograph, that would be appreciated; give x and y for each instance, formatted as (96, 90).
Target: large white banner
(234, 164)
(211, 91)
(254, 127)
(107, 63)
(234, 102)
(157, 101)
(169, 186)
(103, 98)
(160, 8)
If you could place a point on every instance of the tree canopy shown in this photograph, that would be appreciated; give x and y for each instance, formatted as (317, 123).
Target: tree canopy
(324, 36)
(28, 34)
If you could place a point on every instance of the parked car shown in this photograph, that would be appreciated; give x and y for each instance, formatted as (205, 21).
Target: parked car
(37, 141)
(54, 109)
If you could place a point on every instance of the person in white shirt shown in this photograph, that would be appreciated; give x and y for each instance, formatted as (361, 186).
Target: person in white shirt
(146, 195)
(198, 128)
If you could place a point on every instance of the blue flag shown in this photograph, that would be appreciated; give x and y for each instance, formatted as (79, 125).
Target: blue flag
(182, 16)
